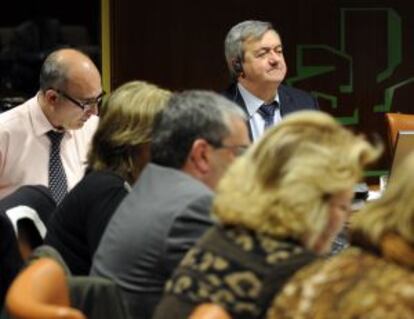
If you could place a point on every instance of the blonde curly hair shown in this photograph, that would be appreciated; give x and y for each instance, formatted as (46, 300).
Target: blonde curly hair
(393, 212)
(283, 184)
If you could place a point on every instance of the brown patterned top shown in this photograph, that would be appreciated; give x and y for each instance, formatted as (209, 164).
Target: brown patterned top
(355, 284)
(235, 268)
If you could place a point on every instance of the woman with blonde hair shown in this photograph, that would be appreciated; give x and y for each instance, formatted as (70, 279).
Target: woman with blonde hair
(278, 207)
(372, 279)
(120, 150)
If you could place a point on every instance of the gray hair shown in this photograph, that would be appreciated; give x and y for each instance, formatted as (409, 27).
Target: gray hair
(53, 73)
(233, 44)
(188, 116)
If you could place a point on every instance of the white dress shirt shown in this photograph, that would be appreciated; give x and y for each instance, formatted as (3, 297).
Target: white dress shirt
(24, 148)
(256, 121)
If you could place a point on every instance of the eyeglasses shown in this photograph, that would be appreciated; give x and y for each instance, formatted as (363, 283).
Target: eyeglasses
(84, 105)
(237, 150)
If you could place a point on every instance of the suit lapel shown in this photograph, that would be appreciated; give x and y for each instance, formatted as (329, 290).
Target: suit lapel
(233, 94)
(286, 102)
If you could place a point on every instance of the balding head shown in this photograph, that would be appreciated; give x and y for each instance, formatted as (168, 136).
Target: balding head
(66, 65)
(69, 81)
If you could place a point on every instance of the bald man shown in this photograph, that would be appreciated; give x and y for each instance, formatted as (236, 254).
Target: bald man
(66, 103)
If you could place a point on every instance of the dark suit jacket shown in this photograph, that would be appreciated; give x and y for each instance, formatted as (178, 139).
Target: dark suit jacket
(154, 226)
(77, 225)
(291, 100)
(10, 259)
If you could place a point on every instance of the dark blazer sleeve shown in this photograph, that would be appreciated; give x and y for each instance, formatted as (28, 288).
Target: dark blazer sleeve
(10, 259)
(186, 229)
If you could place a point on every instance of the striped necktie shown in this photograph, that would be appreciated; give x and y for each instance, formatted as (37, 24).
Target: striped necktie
(267, 111)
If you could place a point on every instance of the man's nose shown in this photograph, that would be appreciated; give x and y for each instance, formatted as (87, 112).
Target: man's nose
(275, 57)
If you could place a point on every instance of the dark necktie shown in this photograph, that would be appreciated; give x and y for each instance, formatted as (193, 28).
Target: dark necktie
(267, 111)
(57, 178)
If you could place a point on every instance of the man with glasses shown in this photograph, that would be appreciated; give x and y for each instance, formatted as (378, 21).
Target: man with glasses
(45, 140)
(194, 140)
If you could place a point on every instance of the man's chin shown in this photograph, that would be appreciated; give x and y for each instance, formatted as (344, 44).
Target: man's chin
(75, 126)
(275, 80)
(81, 124)
(276, 75)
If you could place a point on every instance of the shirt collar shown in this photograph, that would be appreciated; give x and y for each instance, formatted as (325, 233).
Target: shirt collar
(252, 102)
(41, 124)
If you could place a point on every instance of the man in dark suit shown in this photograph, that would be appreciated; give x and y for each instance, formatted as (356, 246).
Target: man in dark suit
(194, 140)
(254, 55)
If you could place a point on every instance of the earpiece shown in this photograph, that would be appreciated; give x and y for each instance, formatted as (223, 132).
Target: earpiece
(238, 66)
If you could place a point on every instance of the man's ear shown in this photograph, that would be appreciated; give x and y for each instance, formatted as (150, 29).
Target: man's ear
(200, 155)
(51, 96)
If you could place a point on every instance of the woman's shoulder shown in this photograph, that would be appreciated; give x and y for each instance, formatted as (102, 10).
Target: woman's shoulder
(102, 178)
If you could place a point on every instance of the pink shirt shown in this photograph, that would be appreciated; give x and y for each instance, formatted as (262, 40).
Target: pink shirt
(24, 148)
